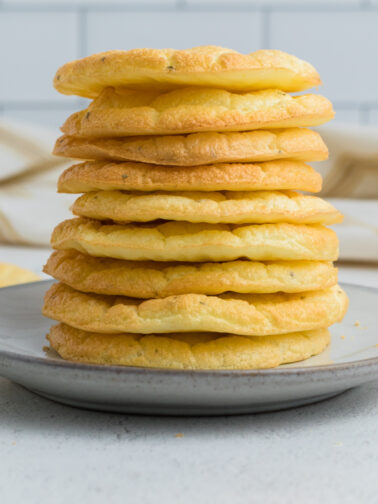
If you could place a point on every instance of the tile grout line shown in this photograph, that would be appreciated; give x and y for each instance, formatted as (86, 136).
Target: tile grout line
(82, 32)
(38, 105)
(289, 7)
(354, 104)
(98, 7)
(265, 29)
(345, 105)
(365, 4)
(179, 5)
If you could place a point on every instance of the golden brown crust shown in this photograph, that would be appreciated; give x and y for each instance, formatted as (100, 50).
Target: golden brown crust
(153, 279)
(254, 207)
(184, 241)
(11, 274)
(186, 351)
(245, 314)
(166, 68)
(129, 176)
(196, 149)
(123, 112)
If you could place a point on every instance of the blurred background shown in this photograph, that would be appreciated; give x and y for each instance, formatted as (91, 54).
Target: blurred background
(339, 37)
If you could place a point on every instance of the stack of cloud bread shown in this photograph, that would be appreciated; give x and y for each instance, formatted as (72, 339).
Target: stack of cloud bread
(192, 247)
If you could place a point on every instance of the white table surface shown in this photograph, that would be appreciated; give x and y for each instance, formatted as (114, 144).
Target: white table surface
(323, 453)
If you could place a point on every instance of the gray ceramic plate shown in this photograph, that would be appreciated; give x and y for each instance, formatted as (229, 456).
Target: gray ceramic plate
(351, 360)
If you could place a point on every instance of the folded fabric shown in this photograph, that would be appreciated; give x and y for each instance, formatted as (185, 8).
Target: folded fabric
(351, 184)
(25, 149)
(358, 234)
(352, 168)
(29, 208)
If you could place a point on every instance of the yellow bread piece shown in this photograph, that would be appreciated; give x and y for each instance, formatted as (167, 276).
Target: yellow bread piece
(186, 351)
(245, 314)
(11, 274)
(129, 176)
(155, 280)
(184, 241)
(211, 66)
(210, 207)
(200, 148)
(124, 112)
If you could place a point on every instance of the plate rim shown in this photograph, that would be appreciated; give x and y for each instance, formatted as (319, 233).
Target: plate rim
(99, 368)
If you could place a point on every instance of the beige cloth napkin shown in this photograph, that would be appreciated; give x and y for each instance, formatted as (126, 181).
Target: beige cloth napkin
(351, 184)
(30, 207)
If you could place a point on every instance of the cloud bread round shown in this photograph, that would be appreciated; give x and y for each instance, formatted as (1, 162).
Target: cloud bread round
(129, 176)
(186, 351)
(153, 279)
(200, 66)
(200, 148)
(11, 274)
(185, 241)
(123, 112)
(210, 207)
(245, 314)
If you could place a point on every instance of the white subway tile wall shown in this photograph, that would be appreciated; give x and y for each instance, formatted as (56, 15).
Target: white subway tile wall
(340, 37)
(342, 46)
(177, 29)
(32, 44)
